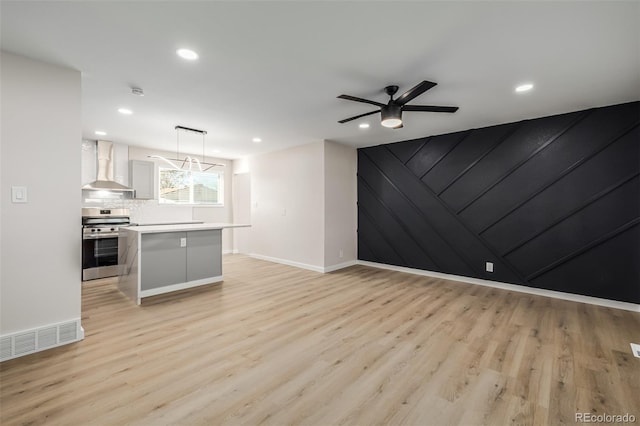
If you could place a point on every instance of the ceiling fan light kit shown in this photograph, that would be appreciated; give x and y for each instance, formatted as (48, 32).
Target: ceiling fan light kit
(391, 116)
(391, 113)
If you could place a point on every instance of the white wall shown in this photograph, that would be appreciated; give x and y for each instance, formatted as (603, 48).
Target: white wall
(287, 207)
(303, 204)
(340, 208)
(40, 149)
(88, 162)
(241, 198)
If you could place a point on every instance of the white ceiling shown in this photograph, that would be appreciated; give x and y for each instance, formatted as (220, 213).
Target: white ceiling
(274, 69)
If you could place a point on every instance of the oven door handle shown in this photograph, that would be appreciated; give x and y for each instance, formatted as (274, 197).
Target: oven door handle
(99, 236)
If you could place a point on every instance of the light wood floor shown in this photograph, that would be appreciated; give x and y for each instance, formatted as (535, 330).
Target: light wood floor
(279, 345)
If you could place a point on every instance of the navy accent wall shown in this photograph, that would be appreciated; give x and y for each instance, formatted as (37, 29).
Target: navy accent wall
(553, 202)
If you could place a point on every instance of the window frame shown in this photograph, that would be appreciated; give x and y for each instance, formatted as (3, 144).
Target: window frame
(191, 202)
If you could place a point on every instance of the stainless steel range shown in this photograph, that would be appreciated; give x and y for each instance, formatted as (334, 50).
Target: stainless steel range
(100, 241)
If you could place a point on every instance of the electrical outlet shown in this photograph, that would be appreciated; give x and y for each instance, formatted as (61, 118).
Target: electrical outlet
(284, 212)
(183, 242)
(488, 266)
(340, 254)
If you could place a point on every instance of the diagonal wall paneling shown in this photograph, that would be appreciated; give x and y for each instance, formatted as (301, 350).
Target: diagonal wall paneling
(553, 202)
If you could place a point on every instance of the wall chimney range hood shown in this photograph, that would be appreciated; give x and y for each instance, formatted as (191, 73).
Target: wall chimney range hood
(104, 166)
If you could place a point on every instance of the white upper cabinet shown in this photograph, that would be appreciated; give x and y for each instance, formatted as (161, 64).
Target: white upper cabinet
(141, 178)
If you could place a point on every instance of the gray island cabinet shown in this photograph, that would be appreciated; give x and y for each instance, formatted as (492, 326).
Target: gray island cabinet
(159, 259)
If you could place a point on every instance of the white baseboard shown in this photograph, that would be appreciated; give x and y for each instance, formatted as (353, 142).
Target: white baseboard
(511, 287)
(288, 262)
(314, 268)
(339, 266)
(180, 286)
(38, 339)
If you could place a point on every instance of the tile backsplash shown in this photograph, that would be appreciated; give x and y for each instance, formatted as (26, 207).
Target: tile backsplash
(144, 211)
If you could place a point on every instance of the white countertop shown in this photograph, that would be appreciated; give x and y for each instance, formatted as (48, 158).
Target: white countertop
(148, 229)
(173, 222)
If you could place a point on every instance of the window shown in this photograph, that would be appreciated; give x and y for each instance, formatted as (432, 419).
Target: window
(191, 187)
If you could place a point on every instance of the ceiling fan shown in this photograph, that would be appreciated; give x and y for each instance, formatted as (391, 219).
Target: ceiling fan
(391, 113)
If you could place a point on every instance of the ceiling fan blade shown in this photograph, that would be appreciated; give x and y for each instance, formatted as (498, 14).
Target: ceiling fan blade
(366, 101)
(429, 108)
(414, 92)
(357, 116)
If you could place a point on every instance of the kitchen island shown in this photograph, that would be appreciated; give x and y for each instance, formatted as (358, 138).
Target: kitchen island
(159, 259)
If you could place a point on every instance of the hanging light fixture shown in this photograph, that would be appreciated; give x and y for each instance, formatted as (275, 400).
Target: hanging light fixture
(187, 159)
(391, 116)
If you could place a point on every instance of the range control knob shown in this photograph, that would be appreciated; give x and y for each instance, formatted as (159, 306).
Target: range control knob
(93, 230)
(113, 229)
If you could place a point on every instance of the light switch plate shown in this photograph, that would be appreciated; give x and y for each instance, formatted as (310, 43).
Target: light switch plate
(19, 194)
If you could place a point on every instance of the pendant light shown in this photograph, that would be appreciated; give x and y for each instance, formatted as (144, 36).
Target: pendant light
(187, 160)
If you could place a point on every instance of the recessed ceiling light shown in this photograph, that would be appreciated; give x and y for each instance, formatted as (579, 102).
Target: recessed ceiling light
(125, 111)
(524, 87)
(187, 54)
(364, 125)
(100, 133)
(256, 140)
(216, 151)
